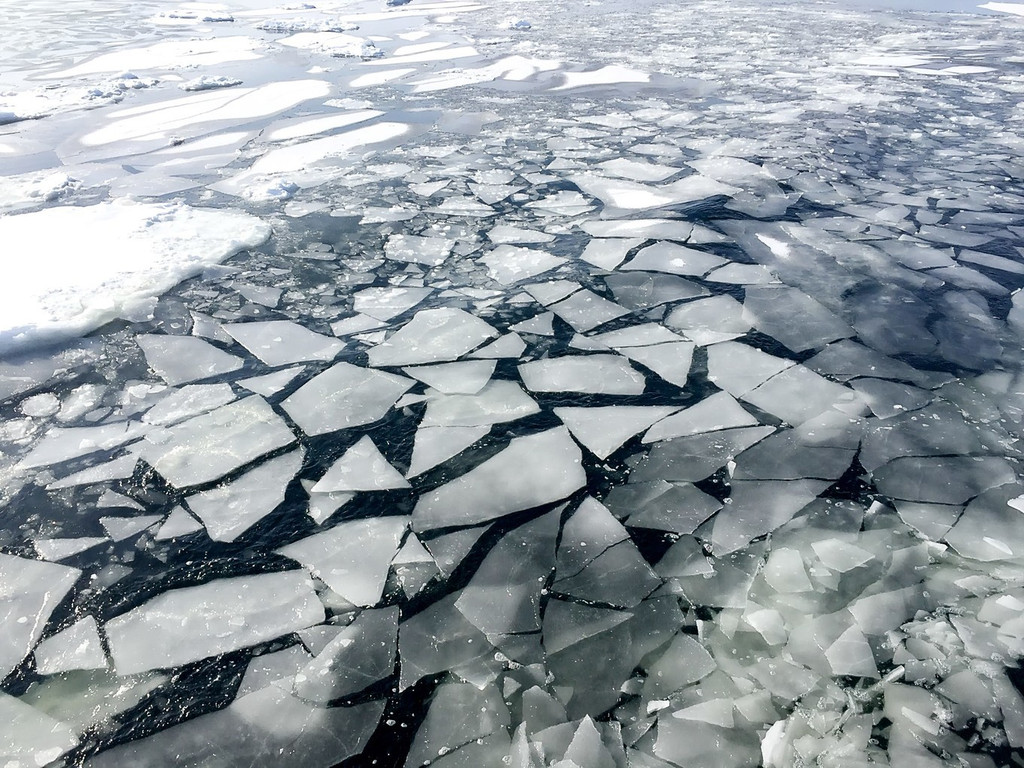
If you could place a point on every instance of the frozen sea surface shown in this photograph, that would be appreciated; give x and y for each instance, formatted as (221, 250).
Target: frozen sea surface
(476, 384)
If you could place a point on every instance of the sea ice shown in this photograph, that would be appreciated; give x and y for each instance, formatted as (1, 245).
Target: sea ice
(596, 374)
(192, 623)
(91, 264)
(644, 290)
(230, 510)
(498, 402)
(509, 264)
(709, 321)
(77, 647)
(585, 310)
(282, 342)
(433, 335)
(434, 445)
(32, 737)
(361, 468)
(792, 317)
(493, 489)
(182, 359)
(190, 400)
(719, 411)
(353, 557)
(603, 430)
(209, 446)
(344, 396)
(673, 259)
(391, 301)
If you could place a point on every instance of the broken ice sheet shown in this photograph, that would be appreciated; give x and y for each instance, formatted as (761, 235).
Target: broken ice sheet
(192, 623)
(429, 251)
(433, 335)
(361, 468)
(344, 395)
(209, 446)
(499, 401)
(353, 557)
(494, 488)
(673, 259)
(603, 430)
(77, 647)
(231, 509)
(434, 445)
(181, 359)
(709, 321)
(282, 342)
(462, 378)
(388, 302)
(597, 374)
(30, 590)
(792, 317)
(509, 264)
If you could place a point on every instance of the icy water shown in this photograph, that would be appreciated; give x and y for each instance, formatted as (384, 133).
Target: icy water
(590, 385)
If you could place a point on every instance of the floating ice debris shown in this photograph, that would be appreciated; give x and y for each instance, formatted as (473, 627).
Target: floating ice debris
(63, 548)
(430, 251)
(121, 528)
(65, 443)
(77, 647)
(498, 402)
(360, 655)
(509, 264)
(33, 737)
(190, 400)
(674, 259)
(178, 523)
(503, 597)
(31, 590)
(343, 396)
(608, 253)
(493, 489)
(674, 507)
(603, 430)
(719, 411)
(509, 345)
(597, 374)
(630, 195)
(538, 325)
(231, 509)
(610, 74)
(207, 447)
(645, 290)
(738, 368)
(792, 317)
(118, 469)
(271, 383)
(463, 378)
(645, 229)
(508, 234)
(459, 713)
(389, 302)
(353, 557)
(361, 468)
(709, 321)
(433, 335)
(181, 359)
(585, 310)
(281, 342)
(434, 445)
(670, 361)
(696, 457)
(192, 623)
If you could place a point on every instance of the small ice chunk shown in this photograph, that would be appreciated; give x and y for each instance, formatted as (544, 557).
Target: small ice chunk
(550, 459)
(361, 468)
(40, 406)
(32, 737)
(190, 400)
(271, 383)
(178, 523)
(758, 507)
(181, 359)
(223, 615)
(719, 411)
(63, 444)
(509, 264)
(434, 445)
(360, 655)
(121, 528)
(353, 557)
(429, 251)
(498, 402)
(439, 639)
(63, 548)
(596, 374)
(693, 458)
(709, 321)
(738, 368)
(230, 510)
(839, 555)
(118, 469)
(889, 398)
(390, 301)
(209, 82)
(632, 196)
(539, 325)
(507, 234)
(608, 253)
(603, 430)
(207, 447)
(741, 274)
(670, 361)
(462, 378)
(29, 592)
(637, 170)
(644, 335)
(585, 310)
(684, 661)
(459, 713)
(282, 342)
(645, 290)
(792, 317)
(566, 624)
(551, 291)
(433, 335)
(355, 324)
(510, 345)
(785, 571)
(644, 229)
(674, 507)
(77, 647)
(673, 259)
(344, 396)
